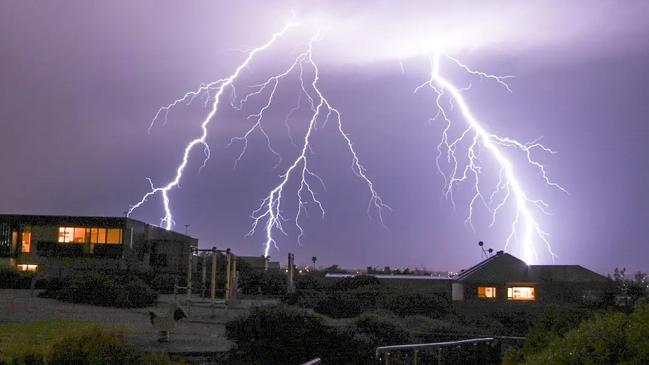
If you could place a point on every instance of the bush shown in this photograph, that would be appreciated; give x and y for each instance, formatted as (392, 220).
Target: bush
(611, 338)
(356, 282)
(163, 282)
(311, 281)
(10, 278)
(286, 335)
(383, 328)
(254, 282)
(97, 288)
(413, 303)
(306, 298)
(350, 303)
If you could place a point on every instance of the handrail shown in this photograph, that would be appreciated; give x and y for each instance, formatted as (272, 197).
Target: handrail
(315, 361)
(433, 345)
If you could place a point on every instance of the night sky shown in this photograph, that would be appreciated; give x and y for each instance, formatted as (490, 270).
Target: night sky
(81, 80)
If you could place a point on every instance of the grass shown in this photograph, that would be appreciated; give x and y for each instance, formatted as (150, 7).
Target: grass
(38, 337)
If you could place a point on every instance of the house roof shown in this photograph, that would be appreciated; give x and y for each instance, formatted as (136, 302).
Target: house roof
(565, 273)
(388, 277)
(497, 268)
(503, 267)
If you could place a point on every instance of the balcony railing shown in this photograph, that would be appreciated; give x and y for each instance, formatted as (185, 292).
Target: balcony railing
(384, 353)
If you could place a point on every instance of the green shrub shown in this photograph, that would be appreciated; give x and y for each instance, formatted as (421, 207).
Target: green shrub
(286, 335)
(611, 338)
(306, 298)
(356, 282)
(97, 288)
(311, 281)
(412, 303)
(163, 282)
(253, 282)
(10, 278)
(350, 303)
(383, 328)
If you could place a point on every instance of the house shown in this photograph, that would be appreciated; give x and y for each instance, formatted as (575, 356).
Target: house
(503, 277)
(48, 243)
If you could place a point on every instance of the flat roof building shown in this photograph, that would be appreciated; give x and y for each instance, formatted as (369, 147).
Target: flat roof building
(47, 242)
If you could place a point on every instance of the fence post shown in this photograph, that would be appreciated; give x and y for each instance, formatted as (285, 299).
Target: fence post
(416, 357)
(213, 277)
(189, 275)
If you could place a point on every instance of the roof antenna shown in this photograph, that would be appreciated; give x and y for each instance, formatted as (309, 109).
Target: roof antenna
(491, 251)
(484, 253)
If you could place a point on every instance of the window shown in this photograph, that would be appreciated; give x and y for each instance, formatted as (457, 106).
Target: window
(26, 246)
(65, 234)
(24, 267)
(521, 293)
(72, 235)
(90, 235)
(97, 235)
(486, 292)
(114, 235)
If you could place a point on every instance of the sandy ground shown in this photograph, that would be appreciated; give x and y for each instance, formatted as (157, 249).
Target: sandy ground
(202, 332)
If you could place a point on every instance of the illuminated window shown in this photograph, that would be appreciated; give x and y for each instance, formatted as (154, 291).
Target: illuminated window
(521, 293)
(91, 235)
(79, 235)
(114, 235)
(73, 235)
(486, 292)
(98, 235)
(65, 234)
(24, 267)
(26, 246)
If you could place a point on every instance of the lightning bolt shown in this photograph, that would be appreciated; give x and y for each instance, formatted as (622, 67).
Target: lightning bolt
(270, 212)
(219, 86)
(524, 227)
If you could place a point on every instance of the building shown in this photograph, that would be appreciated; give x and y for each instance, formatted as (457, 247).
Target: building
(258, 262)
(43, 243)
(503, 277)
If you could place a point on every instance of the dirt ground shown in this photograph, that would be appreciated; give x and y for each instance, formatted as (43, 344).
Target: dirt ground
(202, 332)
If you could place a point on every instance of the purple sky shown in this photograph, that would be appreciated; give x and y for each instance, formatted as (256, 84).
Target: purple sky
(81, 80)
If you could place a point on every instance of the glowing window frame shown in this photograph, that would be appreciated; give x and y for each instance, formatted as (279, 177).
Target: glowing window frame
(487, 292)
(27, 267)
(513, 295)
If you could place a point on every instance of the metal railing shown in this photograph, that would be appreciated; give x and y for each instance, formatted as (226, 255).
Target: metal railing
(383, 352)
(315, 361)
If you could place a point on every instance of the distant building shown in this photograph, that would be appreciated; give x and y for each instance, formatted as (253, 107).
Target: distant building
(41, 242)
(258, 262)
(506, 278)
(503, 277)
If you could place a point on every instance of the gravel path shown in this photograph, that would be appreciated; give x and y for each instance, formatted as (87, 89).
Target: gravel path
(202, 332)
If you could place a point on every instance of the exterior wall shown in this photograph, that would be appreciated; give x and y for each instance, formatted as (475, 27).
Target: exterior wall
(457, 291)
